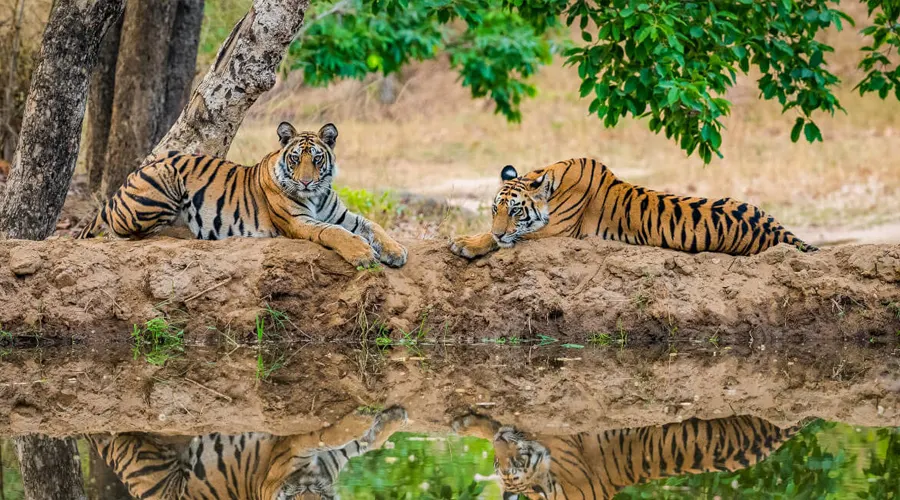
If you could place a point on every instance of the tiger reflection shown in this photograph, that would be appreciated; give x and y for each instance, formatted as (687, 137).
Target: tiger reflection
(598, 465)
(251, 466)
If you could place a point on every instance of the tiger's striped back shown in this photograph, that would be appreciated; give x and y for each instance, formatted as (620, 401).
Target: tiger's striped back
(251, 466)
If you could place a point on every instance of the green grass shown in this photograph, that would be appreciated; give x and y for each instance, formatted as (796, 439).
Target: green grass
(382, 208)
(600, 339)
(268, 325)
(603, 339)
(158, 341)
(503, 340)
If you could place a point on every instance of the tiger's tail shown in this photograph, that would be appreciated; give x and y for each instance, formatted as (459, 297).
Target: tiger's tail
(94, 226)
(786, 433)
(791, 239)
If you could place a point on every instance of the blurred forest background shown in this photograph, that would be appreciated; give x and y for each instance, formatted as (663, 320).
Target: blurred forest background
(418, 153)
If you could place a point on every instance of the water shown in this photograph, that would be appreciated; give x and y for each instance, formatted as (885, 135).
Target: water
(561, 407)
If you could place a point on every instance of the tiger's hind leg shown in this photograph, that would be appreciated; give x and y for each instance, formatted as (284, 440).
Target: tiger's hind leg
(149, 200)
(143, 465)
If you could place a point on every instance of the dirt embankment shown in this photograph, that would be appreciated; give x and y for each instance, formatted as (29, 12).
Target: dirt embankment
(95, 291)
(552, 390)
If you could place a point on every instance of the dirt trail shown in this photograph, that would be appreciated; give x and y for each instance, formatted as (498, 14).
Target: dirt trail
(95, 291)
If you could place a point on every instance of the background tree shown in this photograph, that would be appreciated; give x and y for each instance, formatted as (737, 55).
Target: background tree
(50, 467)
(156, 60)
(51, 127)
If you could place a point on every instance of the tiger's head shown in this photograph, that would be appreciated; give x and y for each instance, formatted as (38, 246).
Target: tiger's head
(305, 165)
(523, 466)
(521, 206)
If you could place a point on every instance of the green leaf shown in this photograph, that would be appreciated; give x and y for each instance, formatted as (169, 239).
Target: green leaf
(812, 132)
(672, 96)
(795, 131)
(696, 31)
(586, 36)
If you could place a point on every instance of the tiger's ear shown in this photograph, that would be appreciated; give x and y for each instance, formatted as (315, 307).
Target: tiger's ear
(542, 187)
(328, 133)
(508, 173)
(286, 132)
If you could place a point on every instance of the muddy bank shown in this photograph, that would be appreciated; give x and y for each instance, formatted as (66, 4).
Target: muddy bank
(95, 291)
(547, 389)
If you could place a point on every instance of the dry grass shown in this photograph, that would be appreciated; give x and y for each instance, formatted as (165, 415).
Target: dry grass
(436, 140)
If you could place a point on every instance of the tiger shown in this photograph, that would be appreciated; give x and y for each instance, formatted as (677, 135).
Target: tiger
(598, 465)
(582, 197)
(288, 193)
(249, 466)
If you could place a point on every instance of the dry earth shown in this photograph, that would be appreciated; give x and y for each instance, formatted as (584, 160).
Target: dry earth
(95, 291)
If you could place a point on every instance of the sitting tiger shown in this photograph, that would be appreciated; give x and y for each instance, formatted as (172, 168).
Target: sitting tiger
(581, 198)
(249, 466)
(288, 193)
(597, 465)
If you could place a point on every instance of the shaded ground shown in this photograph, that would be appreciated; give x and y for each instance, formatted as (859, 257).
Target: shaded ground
(550, 389)
(95, 292)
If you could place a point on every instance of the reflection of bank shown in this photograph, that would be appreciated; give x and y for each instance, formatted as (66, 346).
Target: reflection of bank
(249, 466)
(598, 465)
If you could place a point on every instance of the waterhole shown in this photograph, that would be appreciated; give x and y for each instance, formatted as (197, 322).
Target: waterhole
(414, 420)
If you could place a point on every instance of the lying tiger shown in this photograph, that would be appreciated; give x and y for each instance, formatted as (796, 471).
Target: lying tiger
(597, 465)
(288, 193)
(581, 198)
(249, 466)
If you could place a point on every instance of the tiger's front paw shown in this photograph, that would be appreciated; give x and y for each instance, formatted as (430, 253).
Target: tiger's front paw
(471, 247)
(392, 253)
(358, 253)
(475, 424)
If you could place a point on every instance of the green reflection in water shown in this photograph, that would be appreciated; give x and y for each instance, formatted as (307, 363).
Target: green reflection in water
(826, 460)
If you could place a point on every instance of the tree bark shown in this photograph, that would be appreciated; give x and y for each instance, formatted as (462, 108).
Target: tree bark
(244, 68)
(100, 106)
(50, 467)
(103, 483)
(51, 126)
(182, 62)
(9, 135)
(140, 91)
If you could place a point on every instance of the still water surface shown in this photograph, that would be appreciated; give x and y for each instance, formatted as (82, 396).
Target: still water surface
(474, 456)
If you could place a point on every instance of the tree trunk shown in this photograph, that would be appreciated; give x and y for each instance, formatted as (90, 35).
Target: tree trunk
(244, 68)
(54, 111)
(103, 483)
(100, 106)
(140, 89)
(8, 148)
(182, 63)
(50, 467)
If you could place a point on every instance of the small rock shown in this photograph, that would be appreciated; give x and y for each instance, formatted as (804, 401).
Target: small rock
(64, 279)
(24, 261)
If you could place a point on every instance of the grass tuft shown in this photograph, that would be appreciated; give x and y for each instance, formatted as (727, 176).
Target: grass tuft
(158, 341)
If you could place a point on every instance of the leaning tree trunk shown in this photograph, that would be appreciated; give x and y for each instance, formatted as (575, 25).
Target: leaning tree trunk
(140, 89)
(100, 106)
(244, 68)
(50, 467)
(181, 63)
(51, 127)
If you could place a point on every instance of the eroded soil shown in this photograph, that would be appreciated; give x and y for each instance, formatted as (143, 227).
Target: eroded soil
(95, 291)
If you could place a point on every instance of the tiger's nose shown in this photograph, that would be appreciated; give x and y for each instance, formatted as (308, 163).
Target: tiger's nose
(498, 235)
(305, 182)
